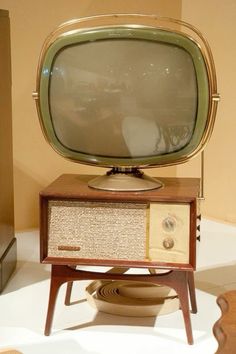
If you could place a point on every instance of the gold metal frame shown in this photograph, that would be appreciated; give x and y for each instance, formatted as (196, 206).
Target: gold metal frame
(137, 21)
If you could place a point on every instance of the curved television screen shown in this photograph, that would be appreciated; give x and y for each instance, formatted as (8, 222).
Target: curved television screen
(122, 98)
(124, 95)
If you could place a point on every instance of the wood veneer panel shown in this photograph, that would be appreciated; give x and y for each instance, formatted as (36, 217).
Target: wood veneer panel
(6, 160)
(74, 186)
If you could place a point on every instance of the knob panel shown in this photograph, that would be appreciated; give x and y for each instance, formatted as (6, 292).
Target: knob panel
(169, 232)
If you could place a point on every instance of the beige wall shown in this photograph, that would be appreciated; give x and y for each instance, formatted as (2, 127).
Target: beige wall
(35, 163)
(217, 20)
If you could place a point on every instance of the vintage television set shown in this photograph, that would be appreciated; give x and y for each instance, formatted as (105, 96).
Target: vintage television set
(125, 92)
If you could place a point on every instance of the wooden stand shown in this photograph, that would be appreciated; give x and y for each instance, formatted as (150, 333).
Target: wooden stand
(180, 281)
(72, 188)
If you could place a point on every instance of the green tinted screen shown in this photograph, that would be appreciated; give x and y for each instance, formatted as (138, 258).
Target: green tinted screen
(129, 99)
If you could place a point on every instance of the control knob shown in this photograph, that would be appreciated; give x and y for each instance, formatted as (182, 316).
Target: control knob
(169, 224)
(168, 243)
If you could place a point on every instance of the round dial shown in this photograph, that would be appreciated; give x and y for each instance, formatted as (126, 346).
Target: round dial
(169, 224)
(168, 243)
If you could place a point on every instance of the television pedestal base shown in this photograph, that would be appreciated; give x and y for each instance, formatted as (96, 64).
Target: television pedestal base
(125, 179)
(154, 230)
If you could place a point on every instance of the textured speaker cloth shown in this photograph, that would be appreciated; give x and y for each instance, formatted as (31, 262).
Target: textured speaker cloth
(97, 230)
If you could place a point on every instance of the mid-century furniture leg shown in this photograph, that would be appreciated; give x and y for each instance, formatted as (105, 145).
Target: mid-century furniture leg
(68, 293)
(181, 288)
(192, 293)
(56, 282)
(181, 281)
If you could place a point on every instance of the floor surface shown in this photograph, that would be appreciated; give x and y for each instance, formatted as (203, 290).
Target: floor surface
(79, 329)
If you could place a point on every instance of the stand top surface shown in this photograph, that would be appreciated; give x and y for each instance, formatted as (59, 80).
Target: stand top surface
(75, 186)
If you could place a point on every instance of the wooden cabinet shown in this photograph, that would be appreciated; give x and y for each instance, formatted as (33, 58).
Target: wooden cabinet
(82, 225)
(7, 239)
(154, 229)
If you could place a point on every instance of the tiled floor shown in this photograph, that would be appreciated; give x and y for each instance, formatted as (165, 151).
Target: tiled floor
(80, 329)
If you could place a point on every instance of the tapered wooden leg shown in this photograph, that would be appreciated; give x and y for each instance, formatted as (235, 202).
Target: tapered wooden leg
(69, 290)
(179, 281)
(192, 293)
(181, 288)
(56, 282)
(68, 293)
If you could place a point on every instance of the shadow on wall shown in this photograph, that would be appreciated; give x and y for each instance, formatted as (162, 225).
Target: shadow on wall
(26, 200)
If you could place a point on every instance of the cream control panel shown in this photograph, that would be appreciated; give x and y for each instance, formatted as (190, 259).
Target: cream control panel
(169, 232)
